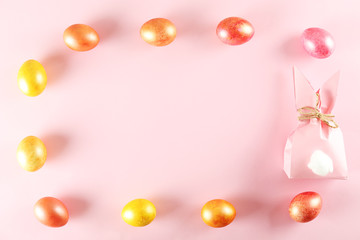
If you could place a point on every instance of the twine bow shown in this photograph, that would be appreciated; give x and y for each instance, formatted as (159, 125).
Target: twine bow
(314, 112)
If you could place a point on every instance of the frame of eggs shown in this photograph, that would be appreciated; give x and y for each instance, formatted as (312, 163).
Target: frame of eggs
(31, 152)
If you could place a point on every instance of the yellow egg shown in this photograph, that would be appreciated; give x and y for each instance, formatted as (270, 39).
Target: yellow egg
(31, 153)
(32, 78)
(139, 212)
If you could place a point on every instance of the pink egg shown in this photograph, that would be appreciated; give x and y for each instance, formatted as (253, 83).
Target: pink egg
(318, 42)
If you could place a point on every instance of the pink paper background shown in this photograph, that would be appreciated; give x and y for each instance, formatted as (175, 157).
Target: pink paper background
(178, 125)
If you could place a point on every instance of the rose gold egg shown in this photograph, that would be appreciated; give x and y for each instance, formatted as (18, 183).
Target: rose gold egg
(51, 212)
(158, 32)
(81, 37)
(305, 206)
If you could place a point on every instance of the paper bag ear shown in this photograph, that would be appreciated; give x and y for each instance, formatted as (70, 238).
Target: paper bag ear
(328, 93)
(305, 95)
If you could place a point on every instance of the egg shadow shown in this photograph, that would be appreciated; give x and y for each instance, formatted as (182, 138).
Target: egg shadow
(106, 27)
(75, 205)
(183, 217)
(245, 206)
(55, 144)
(165, 206)
(190, 219)
(55, 65)
(293, 48)
(279, 214)
(196, 28)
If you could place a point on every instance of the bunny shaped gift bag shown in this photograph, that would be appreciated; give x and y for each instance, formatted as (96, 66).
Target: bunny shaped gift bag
(316, 147)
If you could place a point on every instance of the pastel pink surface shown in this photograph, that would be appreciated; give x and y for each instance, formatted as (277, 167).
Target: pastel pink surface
(179, 125)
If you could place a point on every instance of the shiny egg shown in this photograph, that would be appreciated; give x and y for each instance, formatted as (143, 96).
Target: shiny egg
(32, 78)
(81, 37)
(305, 206)
(218, 213)
(235, 31)
(318, 42)
(139, 212)
(158, 32)
(51, 212)
(31, 153)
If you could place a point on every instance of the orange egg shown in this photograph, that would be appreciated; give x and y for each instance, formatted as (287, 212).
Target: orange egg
(218, 213)
(51, 212)
(158, 32)
(81, 37)
(235, 31)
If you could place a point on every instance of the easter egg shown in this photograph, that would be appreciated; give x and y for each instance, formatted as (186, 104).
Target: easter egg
(158, 32)
(81, 37)
(305, 206)
(51, 212)
(139, 212)
(318, 42)
(218, 213)
(32, 78)
(235, 31)
(31, 153)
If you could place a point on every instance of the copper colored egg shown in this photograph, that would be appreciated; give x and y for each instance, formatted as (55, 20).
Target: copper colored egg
(80, 37)
(305, 206)
(235, 31)
(158, 32)
(51, 212)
